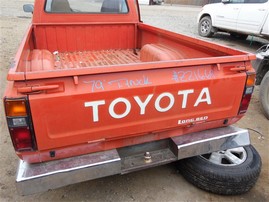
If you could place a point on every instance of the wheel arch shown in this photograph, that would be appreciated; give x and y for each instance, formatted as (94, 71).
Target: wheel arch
(211, 17)
(260, 74)
(204, 15)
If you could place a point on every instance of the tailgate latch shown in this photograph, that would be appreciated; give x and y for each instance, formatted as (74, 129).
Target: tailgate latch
(37, 89)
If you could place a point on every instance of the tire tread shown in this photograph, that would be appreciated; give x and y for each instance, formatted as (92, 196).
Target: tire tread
(263, 95)
(212, 178)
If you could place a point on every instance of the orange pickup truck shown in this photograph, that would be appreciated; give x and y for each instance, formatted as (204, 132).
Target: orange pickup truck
(93, 92)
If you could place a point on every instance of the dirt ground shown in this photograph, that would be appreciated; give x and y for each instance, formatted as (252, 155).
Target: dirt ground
(158, 184)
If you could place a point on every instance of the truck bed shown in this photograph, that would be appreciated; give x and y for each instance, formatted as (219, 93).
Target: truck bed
(54, 51)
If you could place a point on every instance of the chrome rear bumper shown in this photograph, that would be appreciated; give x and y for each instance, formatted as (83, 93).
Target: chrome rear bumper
(34, 178)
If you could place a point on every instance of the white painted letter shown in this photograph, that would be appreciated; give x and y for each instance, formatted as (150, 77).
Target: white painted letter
(157, 102)
(116, 101)
(94, 105)
(141, 104)
(200, 99)
(185, 94)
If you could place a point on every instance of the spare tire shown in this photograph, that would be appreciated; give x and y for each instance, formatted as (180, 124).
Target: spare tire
(230, 172)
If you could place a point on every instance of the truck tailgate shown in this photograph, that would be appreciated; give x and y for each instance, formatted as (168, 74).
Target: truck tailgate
(112, 107)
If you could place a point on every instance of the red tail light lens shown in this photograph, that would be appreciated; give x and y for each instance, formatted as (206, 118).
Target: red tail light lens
(245, 103)
(22, 139)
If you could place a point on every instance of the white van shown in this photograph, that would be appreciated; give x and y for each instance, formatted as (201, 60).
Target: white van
(240, 18)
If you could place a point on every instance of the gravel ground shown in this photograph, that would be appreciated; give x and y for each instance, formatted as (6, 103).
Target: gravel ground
(158, 184)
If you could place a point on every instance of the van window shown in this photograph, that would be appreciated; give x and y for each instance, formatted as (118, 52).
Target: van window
(86, 6)
(237, 1)
(256, 1)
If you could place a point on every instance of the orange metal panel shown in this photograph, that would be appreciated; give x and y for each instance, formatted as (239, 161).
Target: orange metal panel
(70, 117)
(85, 37)
(40, 37)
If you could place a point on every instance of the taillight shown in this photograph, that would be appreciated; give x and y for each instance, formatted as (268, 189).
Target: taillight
(20, 124)
(21, 138)
(16, 108)
(249, 88)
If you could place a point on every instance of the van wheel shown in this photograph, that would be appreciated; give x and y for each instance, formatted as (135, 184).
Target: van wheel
(264, 95)
(205, 27)
(230, 172)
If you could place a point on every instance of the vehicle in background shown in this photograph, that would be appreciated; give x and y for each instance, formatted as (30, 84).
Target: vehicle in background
(261, 65)
(240, 18)
(214, 1)
(150, 2)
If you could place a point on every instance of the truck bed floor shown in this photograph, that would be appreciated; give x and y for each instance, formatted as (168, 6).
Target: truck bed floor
(66, 60)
